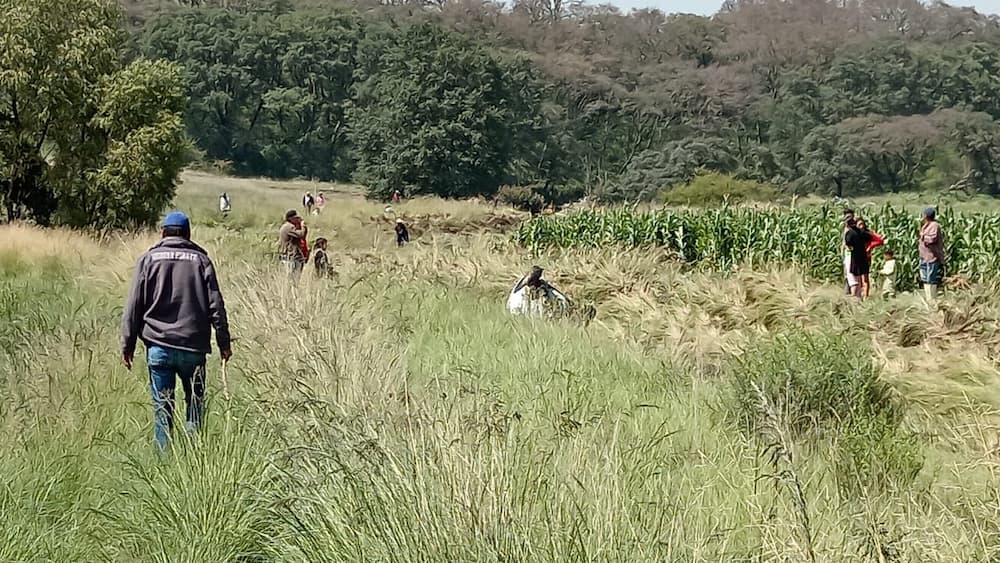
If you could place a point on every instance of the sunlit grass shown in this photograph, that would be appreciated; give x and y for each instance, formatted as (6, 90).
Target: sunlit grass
(397, 413)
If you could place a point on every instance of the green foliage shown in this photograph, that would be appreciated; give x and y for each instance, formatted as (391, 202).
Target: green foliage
(712, 189)
(524, 198)
(443, 101)
(103, 140)
(437, 114)
(677, 163)
(822, 386)
(817, 382)
(268, 92)
(808, 238)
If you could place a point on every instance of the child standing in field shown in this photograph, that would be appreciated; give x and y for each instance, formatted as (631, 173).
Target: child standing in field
(889, 275)
(402, 234)
(321, 259)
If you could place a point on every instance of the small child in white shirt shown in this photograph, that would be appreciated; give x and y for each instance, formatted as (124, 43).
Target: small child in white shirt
(889, 275)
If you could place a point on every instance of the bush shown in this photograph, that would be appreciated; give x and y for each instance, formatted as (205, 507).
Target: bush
(825, 388)
(524, 198)
(712, 189)
(818, 382)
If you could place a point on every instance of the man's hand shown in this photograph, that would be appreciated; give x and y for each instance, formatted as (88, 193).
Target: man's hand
(226, 355)
(127, 358)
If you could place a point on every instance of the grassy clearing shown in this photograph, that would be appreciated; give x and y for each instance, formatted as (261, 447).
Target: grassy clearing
(398, 414)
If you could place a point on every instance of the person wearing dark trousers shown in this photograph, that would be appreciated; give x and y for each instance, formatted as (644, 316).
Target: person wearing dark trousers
(173, 303)
(402, 234)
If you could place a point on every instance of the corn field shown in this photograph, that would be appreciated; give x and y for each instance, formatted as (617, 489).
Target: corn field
(726, 237)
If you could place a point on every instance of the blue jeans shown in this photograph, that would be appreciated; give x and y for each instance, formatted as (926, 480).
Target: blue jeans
(165, 365)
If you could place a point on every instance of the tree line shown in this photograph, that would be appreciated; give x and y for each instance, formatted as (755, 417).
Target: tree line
(460, 97)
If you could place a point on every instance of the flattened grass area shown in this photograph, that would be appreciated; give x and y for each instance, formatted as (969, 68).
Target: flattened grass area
(397, 413)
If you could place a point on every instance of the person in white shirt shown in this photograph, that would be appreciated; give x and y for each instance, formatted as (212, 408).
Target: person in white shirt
(533, 296)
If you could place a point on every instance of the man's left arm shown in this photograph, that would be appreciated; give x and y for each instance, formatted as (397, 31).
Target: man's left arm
(217, 310)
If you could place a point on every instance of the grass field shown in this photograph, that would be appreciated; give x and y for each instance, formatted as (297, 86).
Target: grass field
(397, 413)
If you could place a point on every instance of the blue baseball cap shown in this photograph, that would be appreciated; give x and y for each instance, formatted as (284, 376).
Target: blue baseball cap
(929, 213)
(177, 219)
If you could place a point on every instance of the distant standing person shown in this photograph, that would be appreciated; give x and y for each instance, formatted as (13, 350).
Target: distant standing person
(320, 202)
(290, 248)
(395, 196)
(889, 275)
(173, 304)
(308, 202)
(224, 204)
(857, 240)
(875, 240)
(848, 286)
(321, 260)
(402, 234)
(931, 249)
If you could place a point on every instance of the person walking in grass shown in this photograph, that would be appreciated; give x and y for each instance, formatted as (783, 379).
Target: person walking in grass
(857, 241)
(173, 303)
(308, 202)
(321, 260)
(889, 275)
(931, 249)
(291, 247)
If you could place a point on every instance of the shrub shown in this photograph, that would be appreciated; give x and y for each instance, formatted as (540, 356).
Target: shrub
(712, 189)
(818, 381)
(524, 198)
(826, 388)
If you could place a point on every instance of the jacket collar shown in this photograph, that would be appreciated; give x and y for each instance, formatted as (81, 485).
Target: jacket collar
(178, 242)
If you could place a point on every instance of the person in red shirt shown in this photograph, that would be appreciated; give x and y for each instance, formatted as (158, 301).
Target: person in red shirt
(874, 241)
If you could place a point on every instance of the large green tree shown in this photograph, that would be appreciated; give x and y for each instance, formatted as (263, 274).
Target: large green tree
(267, 91)
(84, 140)
(437, 113)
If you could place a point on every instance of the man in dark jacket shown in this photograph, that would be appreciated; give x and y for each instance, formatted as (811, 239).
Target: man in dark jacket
(402, 234)
(173, 303)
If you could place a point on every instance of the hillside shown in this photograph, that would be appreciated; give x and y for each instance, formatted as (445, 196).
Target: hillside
(823, 97)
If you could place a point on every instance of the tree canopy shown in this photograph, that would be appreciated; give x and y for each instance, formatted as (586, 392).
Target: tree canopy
(84, 139)
(457, 97)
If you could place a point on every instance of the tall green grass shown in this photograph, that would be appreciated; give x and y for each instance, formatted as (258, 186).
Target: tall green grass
(392, 417)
